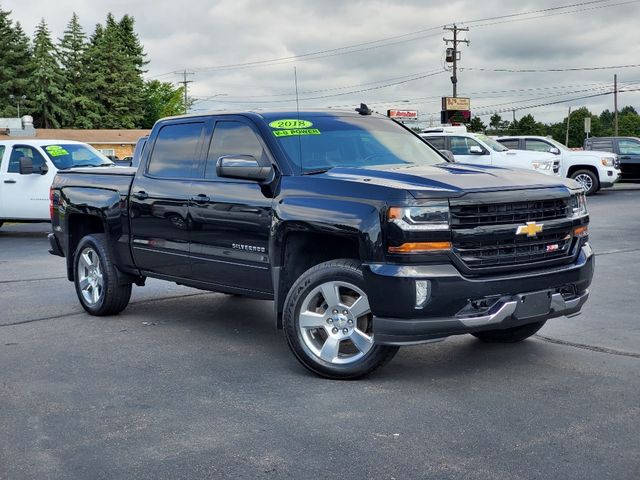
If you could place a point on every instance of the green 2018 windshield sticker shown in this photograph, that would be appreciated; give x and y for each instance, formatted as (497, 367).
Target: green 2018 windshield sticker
(291, 123)
(56, 150)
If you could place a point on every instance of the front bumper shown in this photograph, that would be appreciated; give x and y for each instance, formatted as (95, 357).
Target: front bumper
(453, 305)
(609, 176)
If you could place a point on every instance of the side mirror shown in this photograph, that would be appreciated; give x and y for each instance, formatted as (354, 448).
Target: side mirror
(476, 150)
(26, 166)
(244, 167)
(554, 150)
(449, 155)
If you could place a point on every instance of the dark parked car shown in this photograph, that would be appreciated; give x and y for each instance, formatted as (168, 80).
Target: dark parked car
(627, 149)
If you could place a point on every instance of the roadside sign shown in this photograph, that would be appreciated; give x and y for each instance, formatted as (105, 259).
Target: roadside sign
(403, 114)
(587, 124)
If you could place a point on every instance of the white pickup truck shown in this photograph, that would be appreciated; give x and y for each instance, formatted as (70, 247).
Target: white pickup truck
(477, 149)
(27, 168)
(592, 169)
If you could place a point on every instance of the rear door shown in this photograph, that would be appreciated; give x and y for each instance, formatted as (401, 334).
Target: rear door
(25, 197)
(629, 149)
(231, 218)
(159, 202)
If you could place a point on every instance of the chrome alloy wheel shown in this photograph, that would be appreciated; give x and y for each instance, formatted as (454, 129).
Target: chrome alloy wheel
(90, 276)
(585, 180)
(335, 323)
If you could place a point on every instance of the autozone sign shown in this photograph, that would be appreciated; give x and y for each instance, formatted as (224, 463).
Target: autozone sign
(403, 114)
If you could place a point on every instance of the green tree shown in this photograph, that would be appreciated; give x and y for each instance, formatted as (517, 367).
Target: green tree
(47, 80)
(476, 125)
(495, 121)
(628, 110)
(15, 65)
(82, 110)
(527, 125)
(161, 99)
(629, 125)
(576, 127)
(115, 74)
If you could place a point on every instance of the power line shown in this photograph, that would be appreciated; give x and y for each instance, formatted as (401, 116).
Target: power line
(407, 37)
(547, 70)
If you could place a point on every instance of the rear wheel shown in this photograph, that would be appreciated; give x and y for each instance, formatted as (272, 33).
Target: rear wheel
(510, 335)
(329, 325)
(588, 180)
(96, 280)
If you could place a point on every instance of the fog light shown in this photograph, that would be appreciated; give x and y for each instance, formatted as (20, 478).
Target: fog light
(423, 293)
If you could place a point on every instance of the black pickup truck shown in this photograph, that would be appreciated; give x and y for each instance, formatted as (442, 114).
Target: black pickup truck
(365, 237)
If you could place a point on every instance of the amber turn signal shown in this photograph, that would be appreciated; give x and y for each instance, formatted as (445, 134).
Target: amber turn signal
(421, 247)
(582, 231)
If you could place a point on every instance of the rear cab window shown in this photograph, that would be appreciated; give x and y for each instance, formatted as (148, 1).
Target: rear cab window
(512, 143)
(605, 145)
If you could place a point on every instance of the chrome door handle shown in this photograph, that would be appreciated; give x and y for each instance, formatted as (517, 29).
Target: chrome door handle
(141, 195)
(200, 198)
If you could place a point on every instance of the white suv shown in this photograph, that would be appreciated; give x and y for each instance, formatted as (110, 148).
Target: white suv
(477, 149)
(594, 170)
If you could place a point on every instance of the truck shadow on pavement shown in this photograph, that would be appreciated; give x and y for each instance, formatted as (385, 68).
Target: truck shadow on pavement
(243, 326)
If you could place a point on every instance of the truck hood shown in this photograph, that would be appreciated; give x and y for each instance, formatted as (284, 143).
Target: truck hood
(589, 153)
(449, 179)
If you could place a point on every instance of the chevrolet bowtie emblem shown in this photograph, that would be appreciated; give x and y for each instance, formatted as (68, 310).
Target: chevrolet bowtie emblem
(531, 229)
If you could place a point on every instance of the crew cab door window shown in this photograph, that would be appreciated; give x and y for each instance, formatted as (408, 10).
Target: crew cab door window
(602, 145)
(462, 145)
(512, 143)
(20, 151)
(175, 150)
(629, 147)
(231, 138)
(536, 145)
(437, 142)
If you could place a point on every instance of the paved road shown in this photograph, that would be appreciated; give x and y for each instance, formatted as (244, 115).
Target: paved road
(190, 384)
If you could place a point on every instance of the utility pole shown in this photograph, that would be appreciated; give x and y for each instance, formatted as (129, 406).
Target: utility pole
(615, 105)
(453, 53)
(185, 84)
(566, 141)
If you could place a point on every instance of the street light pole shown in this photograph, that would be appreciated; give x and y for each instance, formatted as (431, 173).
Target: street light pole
(17, 100)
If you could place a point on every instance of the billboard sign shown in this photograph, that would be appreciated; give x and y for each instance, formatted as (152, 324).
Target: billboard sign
(456, 103)
(411, 115)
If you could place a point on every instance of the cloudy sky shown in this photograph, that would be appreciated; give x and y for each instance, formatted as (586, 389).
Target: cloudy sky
(242, 52)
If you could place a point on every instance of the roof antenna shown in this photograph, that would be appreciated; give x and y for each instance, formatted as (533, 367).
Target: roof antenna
(364, 110)
(295, 80)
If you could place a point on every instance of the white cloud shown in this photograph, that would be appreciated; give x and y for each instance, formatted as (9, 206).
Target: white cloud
(201, 33)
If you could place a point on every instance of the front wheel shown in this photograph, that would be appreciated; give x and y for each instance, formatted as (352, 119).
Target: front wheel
(329, 325)
(96, 279)
(510, 335)
(588, 180)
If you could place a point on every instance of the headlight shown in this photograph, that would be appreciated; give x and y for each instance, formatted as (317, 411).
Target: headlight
(434, 216)
(578, 206)
(607, 161)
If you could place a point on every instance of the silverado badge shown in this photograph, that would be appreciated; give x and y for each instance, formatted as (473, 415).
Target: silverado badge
(531, 229)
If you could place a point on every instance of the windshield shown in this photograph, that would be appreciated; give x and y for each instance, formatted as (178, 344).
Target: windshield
(492, 144)
(68, 155)
(319, 143)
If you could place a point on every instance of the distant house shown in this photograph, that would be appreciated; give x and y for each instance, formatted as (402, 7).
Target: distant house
(110, 142)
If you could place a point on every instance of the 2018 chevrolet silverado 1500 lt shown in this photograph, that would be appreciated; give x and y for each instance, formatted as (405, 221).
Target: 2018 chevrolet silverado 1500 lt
(362, 233)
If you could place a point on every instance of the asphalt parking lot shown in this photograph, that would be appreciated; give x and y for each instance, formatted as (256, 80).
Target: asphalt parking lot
(191, 384)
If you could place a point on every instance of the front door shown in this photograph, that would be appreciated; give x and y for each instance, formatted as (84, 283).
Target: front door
(25, 197)
(231, 218)
(159, 205)
(629, 149)
(467, 150)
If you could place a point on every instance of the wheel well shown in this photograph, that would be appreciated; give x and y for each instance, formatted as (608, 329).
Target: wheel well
(301, 251)
(575, 168)
(78, 227)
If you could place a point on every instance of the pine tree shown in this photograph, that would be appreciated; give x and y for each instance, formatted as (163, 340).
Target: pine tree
(47, 80)
(15, 65)
(82, 110)
(115, 74)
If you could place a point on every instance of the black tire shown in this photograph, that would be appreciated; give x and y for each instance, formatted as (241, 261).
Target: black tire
(510, 335)
(594, 182)
(112, 297)
(343, 271)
